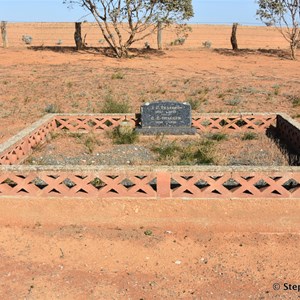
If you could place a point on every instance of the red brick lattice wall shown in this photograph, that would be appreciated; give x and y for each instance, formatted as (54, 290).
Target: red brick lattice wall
(19, 147)
(195, 182)
(203, 123)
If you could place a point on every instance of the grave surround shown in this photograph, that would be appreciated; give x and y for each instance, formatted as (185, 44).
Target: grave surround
(151, 182)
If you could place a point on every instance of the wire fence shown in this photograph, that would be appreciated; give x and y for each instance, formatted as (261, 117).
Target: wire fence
(62, 34)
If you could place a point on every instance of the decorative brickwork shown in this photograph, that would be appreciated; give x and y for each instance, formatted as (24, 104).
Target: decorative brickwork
(91, 122)
(198, 182)
(155, 183)
(230, 123)
(20, 146)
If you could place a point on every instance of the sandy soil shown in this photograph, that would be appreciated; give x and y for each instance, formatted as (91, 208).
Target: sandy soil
(97, 249)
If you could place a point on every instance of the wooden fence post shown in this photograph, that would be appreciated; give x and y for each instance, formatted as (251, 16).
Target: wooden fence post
(159, 35)
(233, 38)
(77, 36)
(4, 34)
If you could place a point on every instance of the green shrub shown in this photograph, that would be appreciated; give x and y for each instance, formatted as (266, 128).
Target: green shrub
(234, 101)
(217, 136)
(207, 44)
(186, 153)
(90, 142)
(97, 183)
(204, 155)
(276, 89)
(124, 137)
(113, 106)
(195, 103)
(296, 102)
(52, 108)
(248, 136)
(117, 75)
(165, 149)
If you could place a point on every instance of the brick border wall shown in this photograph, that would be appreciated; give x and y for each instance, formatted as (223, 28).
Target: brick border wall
(203, 123)
(197, 182)
(20, 146)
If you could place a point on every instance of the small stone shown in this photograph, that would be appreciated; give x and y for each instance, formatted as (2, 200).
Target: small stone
(168, 232)
(204, 260)
(178, 262)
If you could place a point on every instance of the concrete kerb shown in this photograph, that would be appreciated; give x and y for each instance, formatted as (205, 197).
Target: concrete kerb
(25, 132)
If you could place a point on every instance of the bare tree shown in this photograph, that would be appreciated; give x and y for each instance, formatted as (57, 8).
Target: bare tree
(141, 18)
(285, 15)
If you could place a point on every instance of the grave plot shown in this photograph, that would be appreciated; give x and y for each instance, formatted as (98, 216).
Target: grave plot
(20, 176)
(107, 148)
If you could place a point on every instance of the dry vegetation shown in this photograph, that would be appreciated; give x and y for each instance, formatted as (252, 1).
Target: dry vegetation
(118, 148)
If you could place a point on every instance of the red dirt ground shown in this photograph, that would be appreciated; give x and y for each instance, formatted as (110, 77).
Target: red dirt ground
(97, 249)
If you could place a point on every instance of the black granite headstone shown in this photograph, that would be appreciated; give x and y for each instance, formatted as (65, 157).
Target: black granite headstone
(169, 117)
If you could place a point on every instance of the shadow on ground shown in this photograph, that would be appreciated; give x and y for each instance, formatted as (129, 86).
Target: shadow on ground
(266, 52)
(292, 154)
(134, 52)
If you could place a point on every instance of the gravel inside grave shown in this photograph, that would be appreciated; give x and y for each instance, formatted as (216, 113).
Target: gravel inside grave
(118, 155)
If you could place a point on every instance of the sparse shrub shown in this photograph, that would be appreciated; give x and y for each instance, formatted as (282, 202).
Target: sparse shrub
(91, 142)
(101, 41)
(276, 88)
(158, 90)
(221, 95)
(27, 39)
(179, 41)
(52, 108)
(295, 99)
(117, 75)
(148, 232)
(182, 32)
(207, 44)
(69, 84)
(205, 123)
(59, 42)
(120, 136)
(195, 103)
(97, 183)
(187, 153)
(10, 182)
(76, 135)
(201, 153)
(113, 106)
(165, 149)
(54, 135)
(218, 136)
(248, 136)
(233, 101)
(205, 153)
